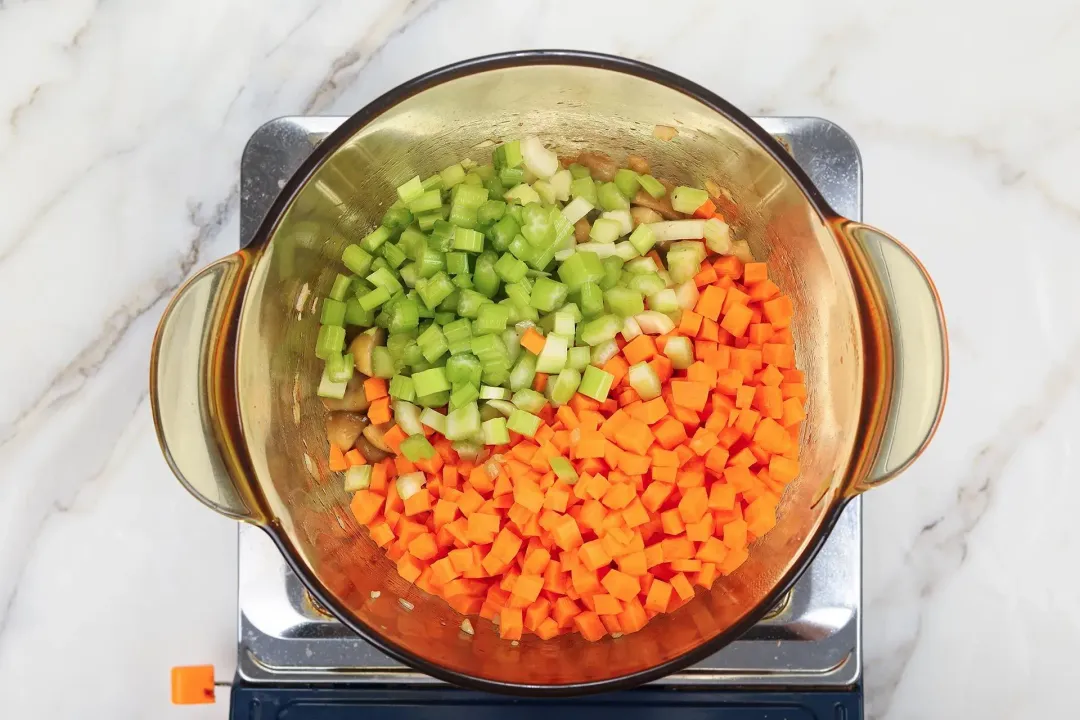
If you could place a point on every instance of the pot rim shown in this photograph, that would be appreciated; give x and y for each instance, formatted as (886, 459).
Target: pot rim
(514, 59)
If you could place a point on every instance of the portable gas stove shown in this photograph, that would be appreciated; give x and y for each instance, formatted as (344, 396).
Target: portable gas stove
(803, 661)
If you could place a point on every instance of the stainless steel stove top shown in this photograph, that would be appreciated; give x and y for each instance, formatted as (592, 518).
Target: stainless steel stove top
(813, 638)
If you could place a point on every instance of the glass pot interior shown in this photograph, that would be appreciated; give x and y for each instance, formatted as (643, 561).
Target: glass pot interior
(571, 108)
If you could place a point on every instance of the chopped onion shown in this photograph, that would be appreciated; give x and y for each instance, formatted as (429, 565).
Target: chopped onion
(409, 484)
(466, 627)
(405, 604)
(602, 250)
(678, 230)
(375, 594)
(543, 162)
(654, 323)
(626, 223)
(687, 294)
(718, 236)
(630, 329)
(492, 469)
(576, 209)
(741, 250)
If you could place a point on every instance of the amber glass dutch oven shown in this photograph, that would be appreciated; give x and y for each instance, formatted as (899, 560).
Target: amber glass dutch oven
(233, 371)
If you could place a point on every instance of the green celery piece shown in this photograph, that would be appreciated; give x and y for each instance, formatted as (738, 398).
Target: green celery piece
(537, 226)
(624, 302)
(592, 299)
(602, 329)
(463, 422)
(401, 388)
(432, 343)
(492, 318)
(339, 368)
(405, 316)
(552, 358)
(581, 268)
(433, 419)
(425, 202)
(523, 423)
(397, 217)
(430, 381)
(434, 400)
(356, 315)
(502, 233)
(579, 171)
(417, 447)
(430, 263)
(687, 199)
(485, 278)
(612, 272)
(462, 395)
(468, 240)
(495, 432)
(521, 249)
(508, 155)
(442, 236)
(491, 211)
(529, 400)
(331, 339)
(511, 177)
(375, 239)
(382, 364)
(409, 191)
(643, 238)
(464, 369)
(457, 263)
(609, 198)
(578, 357)
(595, 383)
(563, 387)
(510, 269)
(585, 188)
(524, 372)
(563, 470)
(652, 186)
(469, 303)
(644, 284)
(467, 195)
(521, 194)
(393, 255)
(356, 259)
(374, 299)
(519, 294)
(435, 289)
(548, 294)
(452, 175)
(605, 230)
(384, 278)
(462, 216)
(332, 313)
(627, 181)
(340, 288)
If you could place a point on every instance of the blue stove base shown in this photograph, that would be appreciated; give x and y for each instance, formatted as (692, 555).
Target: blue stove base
(258, 702)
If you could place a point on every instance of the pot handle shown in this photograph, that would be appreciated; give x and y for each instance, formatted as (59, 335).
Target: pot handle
(920, 351)
(191, 394)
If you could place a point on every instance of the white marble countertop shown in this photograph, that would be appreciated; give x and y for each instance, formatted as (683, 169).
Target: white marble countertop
(121, 129)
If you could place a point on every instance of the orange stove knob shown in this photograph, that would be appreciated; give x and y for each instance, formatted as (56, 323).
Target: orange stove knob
(193, 684)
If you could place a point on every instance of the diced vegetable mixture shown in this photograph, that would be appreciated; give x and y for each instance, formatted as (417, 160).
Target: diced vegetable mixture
(569, 397)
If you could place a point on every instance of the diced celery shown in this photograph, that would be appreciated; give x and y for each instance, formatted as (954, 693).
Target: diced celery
(430, 381)
(627, 181)
(407, 416)
(468, 240)
(548, 294)
(560, 183)
(410, 190)
(680, 351)
(664, 301)
(643, 238)
(401, 388)
(584, 189)
(523, 423)
(510, 269)
(425, 202)
(433, 400)
(641, 266)
(330, 389)
(644, 284)
(625, 251)
(595, 383)
(341, 286)
(375, 239)
(686, 293)
(435, 289)
(356, 259)
(552, 358)
(339, 368)
(485, 279)
(358, 477)
(430, 263)
(462, 216)
(538, 159)
(397, 217)
(536, 225)
(492, 318)
(393, 255)
(462, 422)
(630, 329)
(502, 233)
(507, 155)
(452, 175)
(405, 315)
(356, 315)
(581, 268)
(601, 329)
(687, 199)
(644, 380)
(565, 324)
(417, 447)
(463, 369)
(510, 177)
(579, 171)
(488, 392)
(524, 372)
(469, 303)
(718, 236)
(490, 211)
(529, 400)
(457, 263)
(467, 195)
(545, 191)
(462, 395)
(609, 198)
(652, 186)
(623, 217)
(577, 358)
(433, 419)
(496, 374)
(605, 230)
(458, 336)
(603, 352)
(522, 195)
(331, 339)
(563, 470)
(624, 301)
(564, 385)
(683, 264)
(592, 299)
(333, 312)
(382, 364)
(495, 432)
(432, 343)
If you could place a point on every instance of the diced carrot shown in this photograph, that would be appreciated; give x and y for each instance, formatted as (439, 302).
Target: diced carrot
(640, 349)
(669, 433)
(617, 367)
(682, 586)
(589, 625)
(393, 438)
(510, 623)
(688, 394)
(374, 388)
(778, 311)
(710, 301)
(533, 341)
(690, 323)
(736, 320)
(540, 381)
(337, 462)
